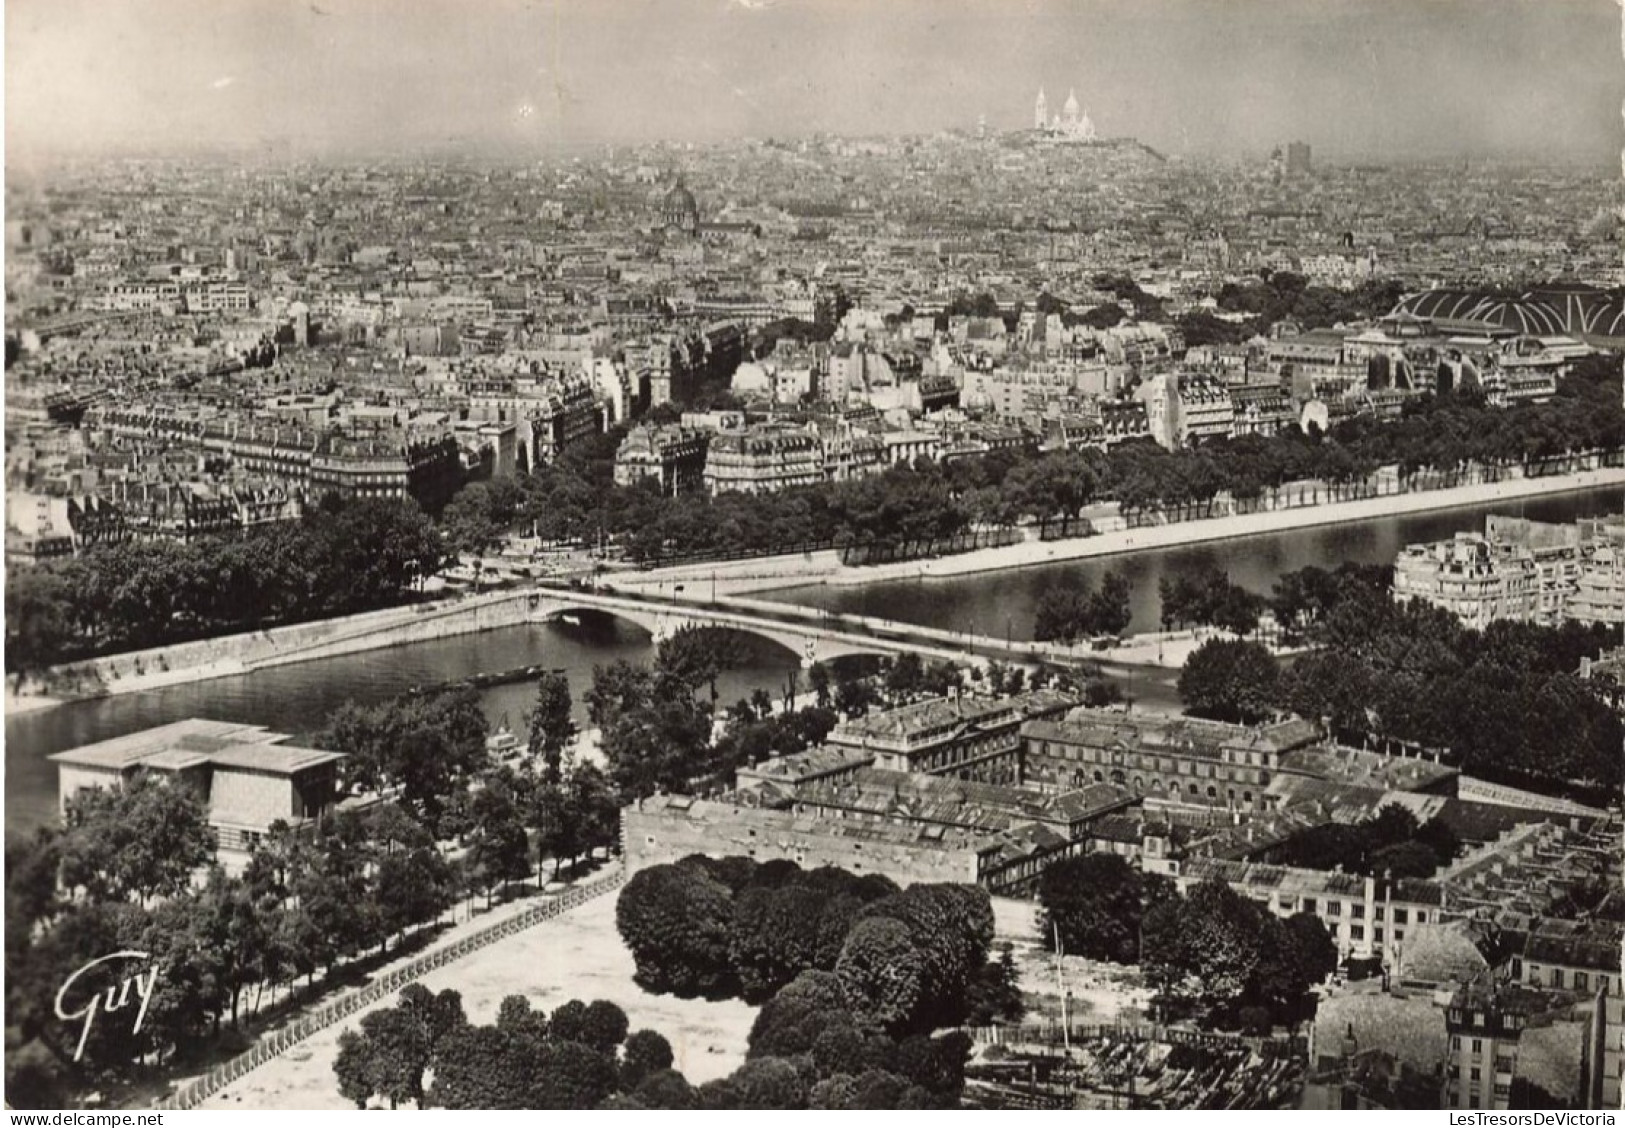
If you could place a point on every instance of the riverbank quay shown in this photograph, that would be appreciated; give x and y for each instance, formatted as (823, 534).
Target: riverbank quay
(767, 574)
(16, 705)
(137, 671)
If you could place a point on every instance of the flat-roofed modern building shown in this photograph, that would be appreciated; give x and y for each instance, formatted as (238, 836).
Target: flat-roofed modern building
(247, 776)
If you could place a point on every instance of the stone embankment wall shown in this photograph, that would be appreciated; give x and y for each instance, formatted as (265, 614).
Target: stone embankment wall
(141, 670)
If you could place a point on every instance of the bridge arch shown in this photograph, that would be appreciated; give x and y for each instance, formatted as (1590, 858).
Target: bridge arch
(661, 621)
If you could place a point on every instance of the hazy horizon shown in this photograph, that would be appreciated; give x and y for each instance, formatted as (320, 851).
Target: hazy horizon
(1357, 79)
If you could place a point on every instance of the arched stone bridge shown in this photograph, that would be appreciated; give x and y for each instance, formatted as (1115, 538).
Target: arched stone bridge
(813, 635)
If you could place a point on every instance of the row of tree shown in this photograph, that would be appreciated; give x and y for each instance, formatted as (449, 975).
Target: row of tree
(575, 498)
(336, 560)
(123, 873)
(807, 1051)
(425, 1051)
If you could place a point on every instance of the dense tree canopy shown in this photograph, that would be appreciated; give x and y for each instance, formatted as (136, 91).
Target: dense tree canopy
(1506, 703)
(1067, 612)
(139, 877)
(1094, 905)
(905, 961)
(1213, 952)
(336, 560)
(1389, 844)
(1229, 680)
(430, 745)
(139, 841)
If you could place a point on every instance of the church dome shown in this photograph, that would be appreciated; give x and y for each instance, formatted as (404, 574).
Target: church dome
(680, 210)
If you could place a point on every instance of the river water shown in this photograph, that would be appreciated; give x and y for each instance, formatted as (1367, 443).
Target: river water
(297, 699)
(1001, 603)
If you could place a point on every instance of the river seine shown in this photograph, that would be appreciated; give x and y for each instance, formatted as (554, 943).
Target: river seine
(1000, 603)
(297, 699)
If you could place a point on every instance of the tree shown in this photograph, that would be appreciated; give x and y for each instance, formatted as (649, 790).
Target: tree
(414, 886)
(794, 1020)
(516, 1016)
(1094, 902)
(675, 920)
(475, 520)
(1404, 859)
(995, 993)
(853, 696)
(431, 745)
(767, 1083)
(1202, 951)
(774, 936)
(389, 1056)
(598, 807)
(558, 822)
(386, 1059)
(618, 688)
(818, 677)
(951, 927)
(35, 1078)
(603, 1026)
(1316, 951)
(441, 1015)
(141, 840)
(1109, 610)
(692, 657)
(500, 850)
(880, 970)
(353, 1065)
(645, 1055)
(551, 725)
(666, 1088)
(233, 940)
(941, 679)
(1067, 613)
(1062, 615)
(570, 1075)
(40, 620)
(1230, 681)
(483, 1067)
(905, 676)
(660, 747)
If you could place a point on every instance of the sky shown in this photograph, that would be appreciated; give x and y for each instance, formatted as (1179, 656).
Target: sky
(1358, 79)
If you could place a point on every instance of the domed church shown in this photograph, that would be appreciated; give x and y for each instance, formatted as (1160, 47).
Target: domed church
(679, 211)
